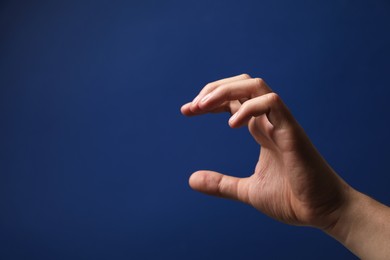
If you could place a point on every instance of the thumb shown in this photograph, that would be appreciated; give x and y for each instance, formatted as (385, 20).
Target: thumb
(217, 184)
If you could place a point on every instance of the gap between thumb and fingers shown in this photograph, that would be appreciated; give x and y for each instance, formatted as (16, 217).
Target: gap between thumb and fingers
(217, 184)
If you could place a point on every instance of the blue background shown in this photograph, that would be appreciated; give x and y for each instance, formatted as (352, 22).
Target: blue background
(95, 155)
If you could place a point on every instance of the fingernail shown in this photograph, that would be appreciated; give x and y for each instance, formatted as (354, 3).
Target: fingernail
(233, 118)
(205, 98)
(195, 99)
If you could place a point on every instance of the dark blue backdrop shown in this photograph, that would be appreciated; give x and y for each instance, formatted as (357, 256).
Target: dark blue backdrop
(95, 156)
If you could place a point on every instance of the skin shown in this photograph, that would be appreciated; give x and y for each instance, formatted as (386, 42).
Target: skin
(291, 182)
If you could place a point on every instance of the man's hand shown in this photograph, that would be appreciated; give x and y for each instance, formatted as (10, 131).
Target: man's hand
(291, 182)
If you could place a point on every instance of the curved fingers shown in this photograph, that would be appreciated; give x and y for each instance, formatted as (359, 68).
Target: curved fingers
(211, 87)
(230, 107)
(238, 90)
(269, 104)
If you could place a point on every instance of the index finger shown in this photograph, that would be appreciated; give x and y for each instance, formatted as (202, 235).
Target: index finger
(211, 86)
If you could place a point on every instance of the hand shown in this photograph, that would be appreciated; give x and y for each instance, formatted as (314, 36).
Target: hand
(291, 182)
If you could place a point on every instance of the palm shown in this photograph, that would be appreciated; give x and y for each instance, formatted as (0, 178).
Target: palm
(279, 185)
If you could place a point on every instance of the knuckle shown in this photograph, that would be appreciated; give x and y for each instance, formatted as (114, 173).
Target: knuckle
(259, 82)
(245, 76)
(273, 98)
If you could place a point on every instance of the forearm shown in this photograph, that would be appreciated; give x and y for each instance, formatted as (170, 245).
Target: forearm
(364, 227)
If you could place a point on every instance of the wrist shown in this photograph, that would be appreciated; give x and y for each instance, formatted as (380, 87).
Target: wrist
(347, 215)
(363, 226)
